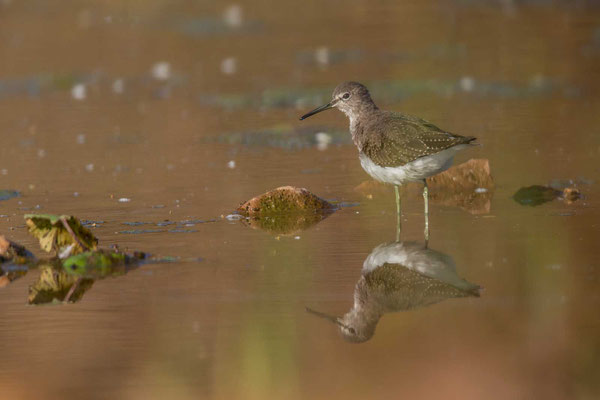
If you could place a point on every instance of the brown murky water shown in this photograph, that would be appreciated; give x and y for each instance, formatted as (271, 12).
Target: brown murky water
(188, 109)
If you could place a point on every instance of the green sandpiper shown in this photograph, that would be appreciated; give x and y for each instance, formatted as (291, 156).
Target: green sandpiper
(394, 147)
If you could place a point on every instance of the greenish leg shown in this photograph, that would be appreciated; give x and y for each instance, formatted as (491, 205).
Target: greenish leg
(426, 201)
(398, 213)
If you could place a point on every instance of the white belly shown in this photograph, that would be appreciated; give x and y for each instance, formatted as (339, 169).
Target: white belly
(416, 170)
(418, 258)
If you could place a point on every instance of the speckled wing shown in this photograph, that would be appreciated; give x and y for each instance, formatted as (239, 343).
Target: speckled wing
(397, 139)
(398, 288)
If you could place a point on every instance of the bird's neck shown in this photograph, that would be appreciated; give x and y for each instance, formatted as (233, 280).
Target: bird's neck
(364, 110)
(358, 117)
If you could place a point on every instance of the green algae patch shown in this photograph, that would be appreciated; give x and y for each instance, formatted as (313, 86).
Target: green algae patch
(58, 232)
(101, 263)
(536, 194)
(284, 200)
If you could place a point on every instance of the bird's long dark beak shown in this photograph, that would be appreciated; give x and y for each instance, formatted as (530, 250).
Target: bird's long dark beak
(331, 318)
(318, 110)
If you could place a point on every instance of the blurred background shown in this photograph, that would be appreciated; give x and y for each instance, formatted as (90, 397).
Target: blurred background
(152, 120)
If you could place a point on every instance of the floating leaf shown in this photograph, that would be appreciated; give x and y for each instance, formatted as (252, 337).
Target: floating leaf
(55, 232)
(100, 264)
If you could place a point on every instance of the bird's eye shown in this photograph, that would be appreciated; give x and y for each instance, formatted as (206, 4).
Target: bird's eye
(352, 331)
(346, 96)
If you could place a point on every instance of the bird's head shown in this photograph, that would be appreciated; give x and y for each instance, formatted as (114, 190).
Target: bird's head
(349, 97)
(355, 326)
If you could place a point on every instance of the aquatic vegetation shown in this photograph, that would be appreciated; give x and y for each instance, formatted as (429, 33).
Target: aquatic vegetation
(536, 195)
(179, 227)
(99, 263)
(8, 194)
(59, 232)
(39, 83)
(77, 261)
(138, 231)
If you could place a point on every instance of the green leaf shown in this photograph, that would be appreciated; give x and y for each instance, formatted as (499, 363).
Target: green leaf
(99, 264)
(53, 234)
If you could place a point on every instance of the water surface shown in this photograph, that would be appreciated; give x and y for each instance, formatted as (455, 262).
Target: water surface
(189, 109)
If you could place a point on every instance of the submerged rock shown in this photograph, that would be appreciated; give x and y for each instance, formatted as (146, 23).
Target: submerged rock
(469, 186)
(571, 194)
(11, 251)
(284, 200)
(466, 177)
(14, 261)
(285, 210)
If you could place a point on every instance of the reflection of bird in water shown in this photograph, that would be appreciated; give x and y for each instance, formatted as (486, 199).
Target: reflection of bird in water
(399, 276)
